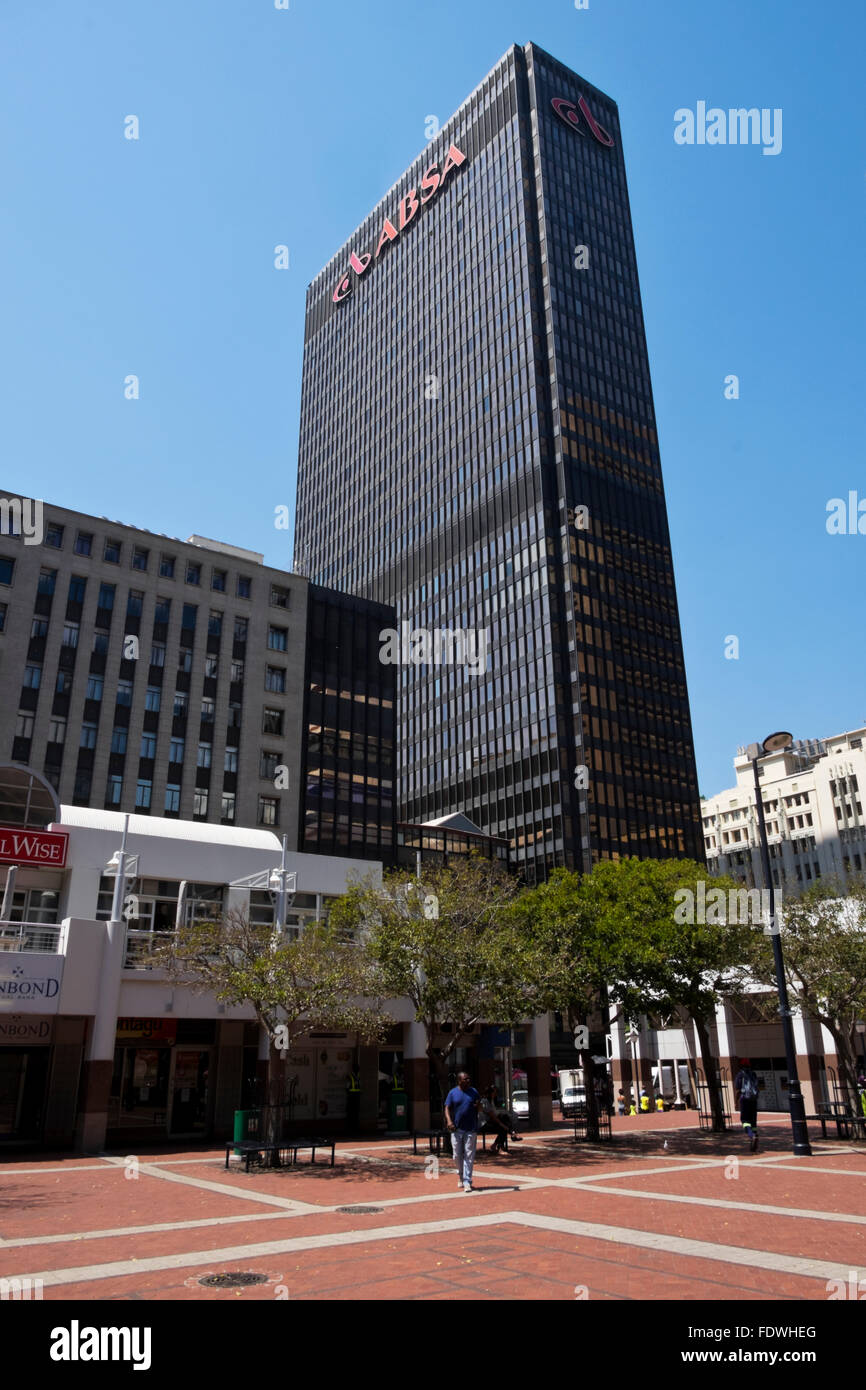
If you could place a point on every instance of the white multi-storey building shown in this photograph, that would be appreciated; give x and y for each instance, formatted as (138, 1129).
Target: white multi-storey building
(99, 1045)
(813, 804)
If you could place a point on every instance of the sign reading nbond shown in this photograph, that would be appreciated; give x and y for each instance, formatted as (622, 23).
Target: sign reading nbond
(430, 185)
(46, 847)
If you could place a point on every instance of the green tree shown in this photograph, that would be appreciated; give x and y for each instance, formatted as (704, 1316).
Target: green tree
(445, 941)
(626, 928)
(823, 937)
(571, 958)
(318, 982)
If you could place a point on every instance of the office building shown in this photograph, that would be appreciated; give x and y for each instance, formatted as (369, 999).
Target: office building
(478, 447)
(188, 680)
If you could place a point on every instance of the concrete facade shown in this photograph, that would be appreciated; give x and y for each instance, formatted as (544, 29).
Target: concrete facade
(170, 678)
(813, 804)
(98, 1047)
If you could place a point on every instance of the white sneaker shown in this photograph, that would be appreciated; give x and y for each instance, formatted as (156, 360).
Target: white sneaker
(459, 1184)
(467, 1187)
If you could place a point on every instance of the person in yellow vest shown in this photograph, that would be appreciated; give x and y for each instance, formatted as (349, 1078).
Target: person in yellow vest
(353, 1101)
(644, 1103)
(660, 1105)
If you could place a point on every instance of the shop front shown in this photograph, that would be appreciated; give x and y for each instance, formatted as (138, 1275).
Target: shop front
(161, 1083)
(25, 1064)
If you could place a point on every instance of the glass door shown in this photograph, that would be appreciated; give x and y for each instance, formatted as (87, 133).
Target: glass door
(139, 1088)
(13, 1070)
(190, 1090)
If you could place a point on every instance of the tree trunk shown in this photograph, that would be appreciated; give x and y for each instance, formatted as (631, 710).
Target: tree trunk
(588, 1065)
(846, 1054)
(709, 1062)
(591, 1097)
(438, 1067)
(272, 1112)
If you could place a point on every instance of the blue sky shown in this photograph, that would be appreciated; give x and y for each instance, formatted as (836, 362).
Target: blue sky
(261, 126)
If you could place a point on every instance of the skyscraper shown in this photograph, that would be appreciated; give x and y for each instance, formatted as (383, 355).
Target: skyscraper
(478, 447)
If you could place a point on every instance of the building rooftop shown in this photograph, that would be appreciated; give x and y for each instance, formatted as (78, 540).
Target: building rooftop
(223, 548)
(238, 837)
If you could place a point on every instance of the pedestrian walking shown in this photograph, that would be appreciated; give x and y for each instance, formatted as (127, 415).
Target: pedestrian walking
(746, 1092)
(461, 1117)
(620, 1103)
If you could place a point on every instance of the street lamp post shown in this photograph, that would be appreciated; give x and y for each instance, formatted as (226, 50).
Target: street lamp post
(285, 883)
(799, 1129)
(633, 1036)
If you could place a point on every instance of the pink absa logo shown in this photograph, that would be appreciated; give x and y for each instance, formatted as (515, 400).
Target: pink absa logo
(570, 113)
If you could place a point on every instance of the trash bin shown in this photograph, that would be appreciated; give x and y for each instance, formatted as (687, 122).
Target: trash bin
(247, 1125)
(398, 1112)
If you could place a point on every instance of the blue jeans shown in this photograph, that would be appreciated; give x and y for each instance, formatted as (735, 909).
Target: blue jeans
(463, 1148)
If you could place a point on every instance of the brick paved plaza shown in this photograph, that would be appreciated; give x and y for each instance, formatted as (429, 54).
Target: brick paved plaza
(631, 1219)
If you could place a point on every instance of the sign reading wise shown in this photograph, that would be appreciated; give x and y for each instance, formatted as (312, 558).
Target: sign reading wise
(47, 847)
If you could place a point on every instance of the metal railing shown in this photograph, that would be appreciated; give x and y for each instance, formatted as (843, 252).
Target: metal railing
(43, 937)
(140, 946)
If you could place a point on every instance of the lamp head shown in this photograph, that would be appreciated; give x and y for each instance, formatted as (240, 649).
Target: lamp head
(774, 743)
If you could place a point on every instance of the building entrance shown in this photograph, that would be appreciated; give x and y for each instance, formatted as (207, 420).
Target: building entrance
(189, 1091)
(139, 1089)
(23, 1075)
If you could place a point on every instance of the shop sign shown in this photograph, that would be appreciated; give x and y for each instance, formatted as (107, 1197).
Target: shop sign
(430, 186)
(300, 1083)
(334, 1069)
(16, 1029)
(146, 1029)
(29, 983)
(46, 847)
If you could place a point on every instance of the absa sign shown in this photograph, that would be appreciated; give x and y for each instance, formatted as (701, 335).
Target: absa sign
(570, 113)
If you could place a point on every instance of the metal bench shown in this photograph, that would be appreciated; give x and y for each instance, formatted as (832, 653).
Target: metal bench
(844, 1118)
(437, 1137)
(250, 1149)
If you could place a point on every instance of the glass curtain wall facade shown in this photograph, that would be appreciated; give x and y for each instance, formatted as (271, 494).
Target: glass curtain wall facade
(348, 753)
(478, 448)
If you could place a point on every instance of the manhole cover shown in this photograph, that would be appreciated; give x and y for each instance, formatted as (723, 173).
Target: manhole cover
(359, 1211)
(234, 1279)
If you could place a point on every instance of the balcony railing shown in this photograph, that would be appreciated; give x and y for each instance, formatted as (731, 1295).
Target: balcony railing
(140, 946)
(30, 936)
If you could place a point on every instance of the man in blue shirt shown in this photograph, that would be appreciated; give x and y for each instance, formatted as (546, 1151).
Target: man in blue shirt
(461, 1117)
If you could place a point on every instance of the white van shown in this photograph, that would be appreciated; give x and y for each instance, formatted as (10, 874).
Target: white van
(572, 1092)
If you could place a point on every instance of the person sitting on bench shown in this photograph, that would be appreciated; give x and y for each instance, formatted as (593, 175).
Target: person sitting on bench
(498, 1121)
(492, 1122)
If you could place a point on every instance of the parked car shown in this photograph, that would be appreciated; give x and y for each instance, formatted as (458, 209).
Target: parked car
(573, 1100)
(520, 1104)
